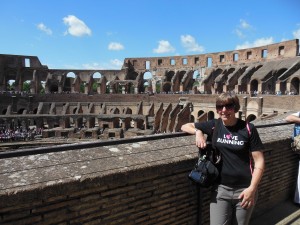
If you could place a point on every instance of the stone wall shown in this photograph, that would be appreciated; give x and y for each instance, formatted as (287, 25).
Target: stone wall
(134, 181)
(250, 55)
(243, 71)
(270, 102)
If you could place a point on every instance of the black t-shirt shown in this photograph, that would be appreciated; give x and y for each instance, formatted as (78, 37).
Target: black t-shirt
(235, 144)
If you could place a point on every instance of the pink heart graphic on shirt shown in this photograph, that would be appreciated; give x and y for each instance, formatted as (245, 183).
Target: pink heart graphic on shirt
(228, 136)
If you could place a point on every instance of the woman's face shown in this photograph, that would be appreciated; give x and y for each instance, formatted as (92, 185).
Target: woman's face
(226, 111)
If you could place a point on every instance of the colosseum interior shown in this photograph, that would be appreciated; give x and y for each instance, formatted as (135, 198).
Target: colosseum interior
(147, 95)
(90, 179)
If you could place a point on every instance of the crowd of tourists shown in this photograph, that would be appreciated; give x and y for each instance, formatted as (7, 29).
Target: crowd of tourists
(19, 134)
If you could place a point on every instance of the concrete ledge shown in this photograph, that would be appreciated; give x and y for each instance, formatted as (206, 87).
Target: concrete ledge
(137, 182)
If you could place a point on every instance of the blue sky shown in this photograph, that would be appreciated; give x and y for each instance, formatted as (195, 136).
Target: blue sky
(95, 34)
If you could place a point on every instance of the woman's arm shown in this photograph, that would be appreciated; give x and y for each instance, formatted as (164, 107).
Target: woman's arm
(293, 118)
(259, 167)
(191, 129)
(248, 195)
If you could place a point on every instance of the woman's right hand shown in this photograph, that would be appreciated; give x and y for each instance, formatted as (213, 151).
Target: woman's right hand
(191, 129)
(200, 139)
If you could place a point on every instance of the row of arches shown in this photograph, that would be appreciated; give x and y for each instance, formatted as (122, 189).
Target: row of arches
(263, 78)
(250, 79)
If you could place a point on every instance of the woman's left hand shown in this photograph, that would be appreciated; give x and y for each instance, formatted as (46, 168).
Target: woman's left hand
(247, 198)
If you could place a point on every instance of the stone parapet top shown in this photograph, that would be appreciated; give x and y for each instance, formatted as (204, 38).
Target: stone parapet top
(42, 170)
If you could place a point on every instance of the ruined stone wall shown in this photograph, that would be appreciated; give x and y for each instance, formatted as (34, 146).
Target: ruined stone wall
(80, 105)
(139, 182)
(250, 55)
(237, 70)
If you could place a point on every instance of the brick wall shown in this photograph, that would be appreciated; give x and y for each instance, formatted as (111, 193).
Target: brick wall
(143, 182)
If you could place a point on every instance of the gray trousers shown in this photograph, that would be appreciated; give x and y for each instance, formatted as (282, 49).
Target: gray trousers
(225, 207)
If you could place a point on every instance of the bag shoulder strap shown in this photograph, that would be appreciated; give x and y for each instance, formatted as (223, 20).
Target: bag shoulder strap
(248, 129)
(249, 134)
(215, 133)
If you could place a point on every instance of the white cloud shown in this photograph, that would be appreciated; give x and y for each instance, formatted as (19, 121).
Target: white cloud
(243, 26)
(115, 46)
(164, 47)
(42, 27)
(239, 33)
(76, 27)
(257, 43)
(296, 34)
(190, 44)
(263, 41)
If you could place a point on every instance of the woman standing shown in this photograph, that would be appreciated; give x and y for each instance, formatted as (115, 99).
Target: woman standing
(234, 197)
(295, 118)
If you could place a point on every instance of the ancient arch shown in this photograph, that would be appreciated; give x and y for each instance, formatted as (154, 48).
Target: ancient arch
(221, 80)
(200, 112)
(209, 83)
(166, 87)
(35, 110)
(272, 81)
(188, 81)
(10, 85)
(21, 110)
(115, 110)
(53, 87)
(127, 110)
(167, 81)
(96, 77)
(253, 86)
(252, 108)
(69, 80)
(147, 82)
(210, 115)
(232, 80)
(177, 80)
(295, 86)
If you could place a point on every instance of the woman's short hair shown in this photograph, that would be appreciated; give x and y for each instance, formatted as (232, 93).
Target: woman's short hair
(229, 98)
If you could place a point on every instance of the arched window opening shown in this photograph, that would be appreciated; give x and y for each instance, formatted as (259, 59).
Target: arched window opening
(210, 115)
(11, 84)
(148, 75)
(200, 112)
(20, 111)
(69, 81)
(26, 86)
(196, 75)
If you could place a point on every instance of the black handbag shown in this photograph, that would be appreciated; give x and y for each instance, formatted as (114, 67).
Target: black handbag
(206, 171)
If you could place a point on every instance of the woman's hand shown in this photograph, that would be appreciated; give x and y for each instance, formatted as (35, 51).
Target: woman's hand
(200, 139)
(247, 197)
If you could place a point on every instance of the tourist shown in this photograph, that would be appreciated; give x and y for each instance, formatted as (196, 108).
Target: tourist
(295, 118)
(234, 196)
